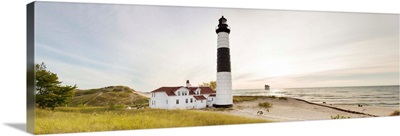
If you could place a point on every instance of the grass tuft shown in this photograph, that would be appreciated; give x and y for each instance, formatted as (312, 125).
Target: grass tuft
(265, 105)
(339, 117)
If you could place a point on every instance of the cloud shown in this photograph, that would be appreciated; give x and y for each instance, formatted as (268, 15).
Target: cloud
(145, 47)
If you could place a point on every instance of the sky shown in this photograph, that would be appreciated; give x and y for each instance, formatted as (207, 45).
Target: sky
(146, 47)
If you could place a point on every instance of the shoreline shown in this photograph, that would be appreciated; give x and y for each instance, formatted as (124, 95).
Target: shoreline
(294, 109)
(336, 108)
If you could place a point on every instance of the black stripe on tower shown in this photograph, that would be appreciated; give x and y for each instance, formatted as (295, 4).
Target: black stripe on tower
(223, 60)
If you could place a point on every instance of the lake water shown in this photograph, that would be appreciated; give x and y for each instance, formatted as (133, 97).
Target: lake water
(382, 96)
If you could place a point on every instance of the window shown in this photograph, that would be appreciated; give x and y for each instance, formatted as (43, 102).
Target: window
(191, 100)
(187, 101)
(201, 101)
(212, 99)
(177, 101)
(179, 93)
(154, 94)
(167, 101)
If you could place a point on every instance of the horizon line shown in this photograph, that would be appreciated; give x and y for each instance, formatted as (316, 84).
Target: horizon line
(323, 87)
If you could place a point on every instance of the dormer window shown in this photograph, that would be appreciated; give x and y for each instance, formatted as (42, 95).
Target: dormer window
(179, 93)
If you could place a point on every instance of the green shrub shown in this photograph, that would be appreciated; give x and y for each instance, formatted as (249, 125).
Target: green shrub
(265, 105)
(117, 90)
(91, 91)
(140, 103)
(111, 106)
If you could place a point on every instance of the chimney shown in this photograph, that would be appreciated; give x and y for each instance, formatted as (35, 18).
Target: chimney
(188, 83)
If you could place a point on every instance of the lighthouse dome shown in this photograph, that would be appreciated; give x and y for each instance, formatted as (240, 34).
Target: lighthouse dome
(223, 26)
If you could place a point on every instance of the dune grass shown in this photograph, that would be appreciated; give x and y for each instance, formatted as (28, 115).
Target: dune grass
(89, 119)
(118, 95)
(237, 99)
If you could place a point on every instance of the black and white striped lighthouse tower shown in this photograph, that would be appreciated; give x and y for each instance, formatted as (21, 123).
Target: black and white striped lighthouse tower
(224, 94)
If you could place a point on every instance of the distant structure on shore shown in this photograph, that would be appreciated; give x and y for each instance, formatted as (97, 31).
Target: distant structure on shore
(182, 97)
(224, 98)
(266, 87)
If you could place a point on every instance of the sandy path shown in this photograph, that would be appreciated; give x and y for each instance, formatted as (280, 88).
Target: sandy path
(298, 110)
(144, 94)
(93, 98)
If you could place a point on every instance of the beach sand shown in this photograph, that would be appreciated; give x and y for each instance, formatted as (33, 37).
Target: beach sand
(300, 110)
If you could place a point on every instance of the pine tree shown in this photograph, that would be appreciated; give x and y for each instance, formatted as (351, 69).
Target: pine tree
(49, 92)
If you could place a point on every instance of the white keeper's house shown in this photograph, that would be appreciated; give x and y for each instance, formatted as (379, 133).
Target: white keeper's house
(182, 97)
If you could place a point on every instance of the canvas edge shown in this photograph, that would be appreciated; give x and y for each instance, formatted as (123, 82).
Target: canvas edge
(30, 67)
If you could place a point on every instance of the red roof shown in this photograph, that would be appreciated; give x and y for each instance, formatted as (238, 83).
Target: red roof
(206, 90)
(171, 90)
(213, 94)
(200, 97)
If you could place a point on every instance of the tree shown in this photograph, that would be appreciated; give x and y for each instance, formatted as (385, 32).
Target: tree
(211, 84)
(49, 92)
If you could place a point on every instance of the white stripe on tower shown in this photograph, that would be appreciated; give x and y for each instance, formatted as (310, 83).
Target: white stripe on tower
(223, 40)
(224, 94)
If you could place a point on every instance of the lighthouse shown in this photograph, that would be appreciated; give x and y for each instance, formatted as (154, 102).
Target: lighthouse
(224, 94)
